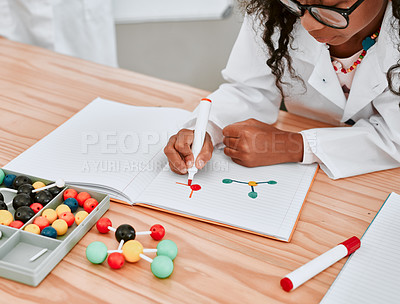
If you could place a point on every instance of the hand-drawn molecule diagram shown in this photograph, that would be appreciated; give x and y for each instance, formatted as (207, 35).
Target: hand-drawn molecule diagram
(193, 187)
(252, 184)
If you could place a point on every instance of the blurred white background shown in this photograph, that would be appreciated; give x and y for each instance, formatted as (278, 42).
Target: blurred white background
(187, 41)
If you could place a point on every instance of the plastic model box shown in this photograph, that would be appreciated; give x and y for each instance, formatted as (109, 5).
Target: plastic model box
(17, 246)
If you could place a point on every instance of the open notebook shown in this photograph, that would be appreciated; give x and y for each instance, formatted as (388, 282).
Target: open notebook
(371, 274)
(118, 149)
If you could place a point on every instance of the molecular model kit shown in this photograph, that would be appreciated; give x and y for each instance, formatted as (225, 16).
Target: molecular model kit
(40, 222)
(30, 198)
(131, 250)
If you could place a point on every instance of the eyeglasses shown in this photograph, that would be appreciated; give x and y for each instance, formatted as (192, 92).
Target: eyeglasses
(327, 15)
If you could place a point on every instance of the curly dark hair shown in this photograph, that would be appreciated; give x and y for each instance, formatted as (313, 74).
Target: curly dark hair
(277, 19)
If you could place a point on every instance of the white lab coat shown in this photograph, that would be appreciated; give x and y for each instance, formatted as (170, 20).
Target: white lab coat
(372, 144)
(80, 28)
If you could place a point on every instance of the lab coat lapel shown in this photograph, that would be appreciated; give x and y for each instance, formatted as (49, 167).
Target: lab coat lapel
(369, 81)
(324, 79)
(370, 77)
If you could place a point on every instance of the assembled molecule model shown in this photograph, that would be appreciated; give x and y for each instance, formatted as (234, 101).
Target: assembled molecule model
(131, 250)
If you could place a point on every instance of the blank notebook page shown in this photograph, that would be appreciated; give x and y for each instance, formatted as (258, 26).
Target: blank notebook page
(372, 273)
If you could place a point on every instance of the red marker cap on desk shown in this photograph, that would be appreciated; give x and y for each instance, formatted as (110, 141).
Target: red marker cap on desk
(315, 266)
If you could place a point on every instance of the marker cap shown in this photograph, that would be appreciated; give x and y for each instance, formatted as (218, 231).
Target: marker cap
(286, 284)
(352, 244)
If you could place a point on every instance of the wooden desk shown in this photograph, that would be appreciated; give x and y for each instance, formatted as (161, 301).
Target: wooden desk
(39, 90)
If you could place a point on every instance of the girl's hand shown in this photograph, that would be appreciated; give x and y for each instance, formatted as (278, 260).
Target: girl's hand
(252, 143)
(179, 153)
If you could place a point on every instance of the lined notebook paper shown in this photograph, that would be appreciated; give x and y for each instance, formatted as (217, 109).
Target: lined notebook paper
(274, 211)
(107, 143)
(372, 273)
(118, 149)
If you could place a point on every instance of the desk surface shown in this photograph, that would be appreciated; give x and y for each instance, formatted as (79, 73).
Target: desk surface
(39, 90)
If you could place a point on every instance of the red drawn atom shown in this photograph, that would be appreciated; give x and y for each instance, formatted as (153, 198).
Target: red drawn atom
(193, 187)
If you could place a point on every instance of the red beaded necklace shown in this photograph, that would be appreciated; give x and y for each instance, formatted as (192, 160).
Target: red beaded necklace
(367, 43)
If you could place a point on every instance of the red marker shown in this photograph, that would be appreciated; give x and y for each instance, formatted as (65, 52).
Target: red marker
(315, 266)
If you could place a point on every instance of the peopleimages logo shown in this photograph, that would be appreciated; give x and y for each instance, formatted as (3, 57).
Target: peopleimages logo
(113, 142)
(112, 151)
(312, 141)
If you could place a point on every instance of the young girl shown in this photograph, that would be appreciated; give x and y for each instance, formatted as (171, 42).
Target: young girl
(331, 60)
